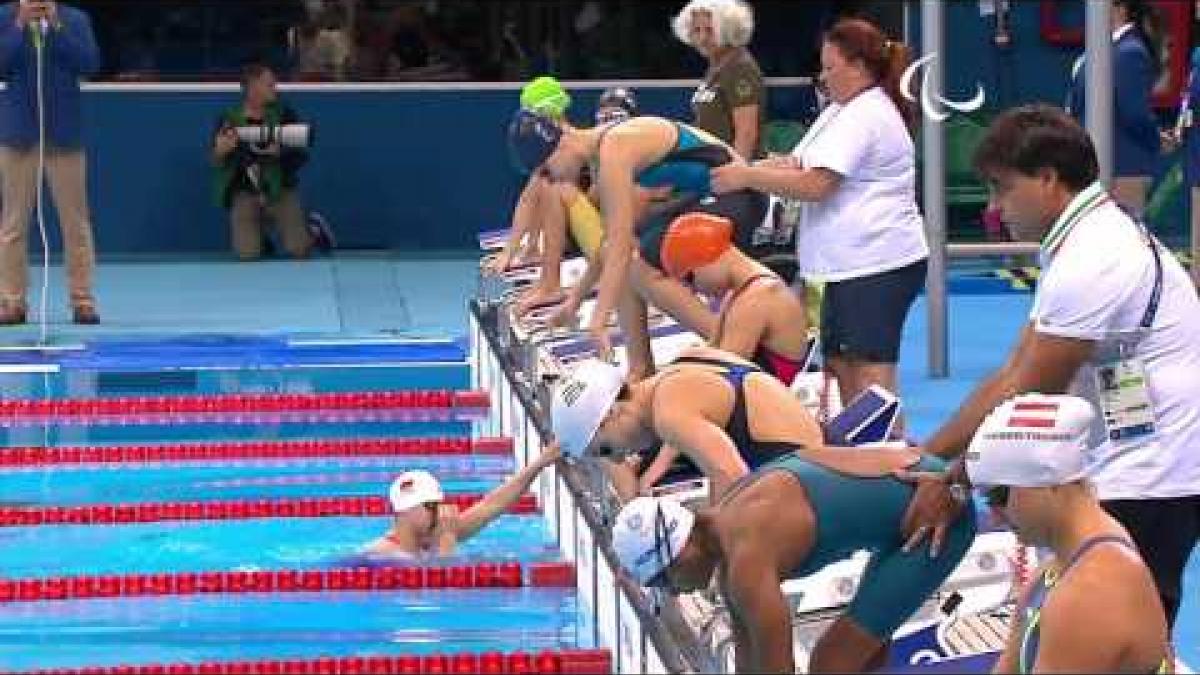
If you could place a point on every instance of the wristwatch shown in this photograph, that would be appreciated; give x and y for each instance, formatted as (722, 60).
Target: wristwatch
(960, 492)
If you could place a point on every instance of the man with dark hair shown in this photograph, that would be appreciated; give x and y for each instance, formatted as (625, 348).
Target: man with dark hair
(255, 180)
(1115, 320)
(60, 39)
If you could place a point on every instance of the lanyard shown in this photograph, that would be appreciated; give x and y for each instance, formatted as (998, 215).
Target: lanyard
(1156, 290)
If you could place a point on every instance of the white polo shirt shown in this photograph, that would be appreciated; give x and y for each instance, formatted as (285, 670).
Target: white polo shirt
(870, 224)
(1097, 279)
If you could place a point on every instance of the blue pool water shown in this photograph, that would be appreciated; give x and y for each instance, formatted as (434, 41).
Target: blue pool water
(250, 479)
(238, 545)
(80, 633)
(113, 631)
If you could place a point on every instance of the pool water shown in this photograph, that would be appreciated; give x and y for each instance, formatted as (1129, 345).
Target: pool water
(98, 632)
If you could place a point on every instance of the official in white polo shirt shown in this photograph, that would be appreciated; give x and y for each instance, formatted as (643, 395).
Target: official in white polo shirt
(849, 190)
(1115, 320)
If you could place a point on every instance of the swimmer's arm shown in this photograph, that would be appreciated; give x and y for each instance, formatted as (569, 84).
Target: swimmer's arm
(699, 439)
(744, 329)
(810, 185)
(499, 500)
(750, 584)
(522, 219)
(617, 206)
(658, 468)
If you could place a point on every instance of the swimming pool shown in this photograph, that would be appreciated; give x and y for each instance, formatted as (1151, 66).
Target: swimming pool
(109, 538)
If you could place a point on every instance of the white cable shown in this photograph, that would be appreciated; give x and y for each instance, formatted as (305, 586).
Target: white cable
(39, 48)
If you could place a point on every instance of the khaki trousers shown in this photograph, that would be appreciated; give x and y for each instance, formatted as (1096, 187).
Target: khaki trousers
(65, 171)
(247, 219)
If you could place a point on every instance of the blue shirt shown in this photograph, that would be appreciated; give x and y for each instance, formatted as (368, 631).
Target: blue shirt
(70, 53)
(1135, 129)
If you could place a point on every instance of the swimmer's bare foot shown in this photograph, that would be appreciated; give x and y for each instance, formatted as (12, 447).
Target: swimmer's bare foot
(538, 297)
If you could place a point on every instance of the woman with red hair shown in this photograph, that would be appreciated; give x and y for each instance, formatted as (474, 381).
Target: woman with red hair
(849, 190)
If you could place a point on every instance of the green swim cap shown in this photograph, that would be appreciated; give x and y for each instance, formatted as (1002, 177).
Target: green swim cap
(544, 95)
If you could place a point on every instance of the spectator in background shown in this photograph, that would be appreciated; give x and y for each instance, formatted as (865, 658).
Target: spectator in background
(731, 101)
(64, 36)
(254, 181)
(1137, 64)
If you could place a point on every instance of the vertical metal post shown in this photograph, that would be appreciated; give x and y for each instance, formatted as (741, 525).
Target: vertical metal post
(934, 190)
(1098, 69)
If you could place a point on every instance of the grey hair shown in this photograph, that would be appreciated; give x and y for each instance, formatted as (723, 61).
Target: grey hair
(733, 21)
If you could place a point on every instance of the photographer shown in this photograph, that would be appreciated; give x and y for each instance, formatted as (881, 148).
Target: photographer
(60, 38)
(259, 179)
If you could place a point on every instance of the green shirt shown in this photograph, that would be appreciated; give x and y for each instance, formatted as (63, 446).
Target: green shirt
(732, 84)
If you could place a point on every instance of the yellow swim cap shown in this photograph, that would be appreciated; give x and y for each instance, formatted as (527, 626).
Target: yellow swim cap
(694, 240)
(546, 96)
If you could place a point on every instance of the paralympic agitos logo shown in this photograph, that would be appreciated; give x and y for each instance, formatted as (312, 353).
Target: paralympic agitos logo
(933, 104)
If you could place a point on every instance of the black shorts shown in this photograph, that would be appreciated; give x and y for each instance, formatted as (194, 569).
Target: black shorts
(862, 318)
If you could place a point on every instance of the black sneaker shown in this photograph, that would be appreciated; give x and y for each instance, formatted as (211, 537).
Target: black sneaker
(322, 234)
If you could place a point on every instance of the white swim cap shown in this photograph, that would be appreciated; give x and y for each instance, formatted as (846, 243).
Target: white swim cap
(414, 488)
(581, 400)
(649, 535)
(1033, 440)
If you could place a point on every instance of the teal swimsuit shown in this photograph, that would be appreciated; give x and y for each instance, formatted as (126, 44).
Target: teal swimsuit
(685, 168)
(854, 514)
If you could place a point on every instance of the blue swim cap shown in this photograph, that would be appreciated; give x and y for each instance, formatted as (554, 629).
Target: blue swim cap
(532, 138)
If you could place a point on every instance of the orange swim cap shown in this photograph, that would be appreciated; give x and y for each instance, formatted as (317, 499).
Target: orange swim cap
(694, 240)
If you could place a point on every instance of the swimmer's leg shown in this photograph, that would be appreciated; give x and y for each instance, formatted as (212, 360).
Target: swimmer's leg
(553, 221)
(632, 317)
(893, 588)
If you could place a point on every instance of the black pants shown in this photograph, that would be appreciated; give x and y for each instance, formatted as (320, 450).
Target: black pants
(1165, 531)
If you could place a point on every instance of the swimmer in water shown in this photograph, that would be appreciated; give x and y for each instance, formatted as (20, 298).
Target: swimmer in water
(422, 525)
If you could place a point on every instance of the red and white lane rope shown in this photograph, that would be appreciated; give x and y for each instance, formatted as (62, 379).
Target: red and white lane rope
(315, 507)
(552, 662)
(192, 452)
(479, 575)
(246, 408)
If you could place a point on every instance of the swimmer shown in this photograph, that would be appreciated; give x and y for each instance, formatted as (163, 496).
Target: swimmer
(650, 152)
(790, 518)
(423, 526)
(721, 412)
(760, 318)
(1094, 608)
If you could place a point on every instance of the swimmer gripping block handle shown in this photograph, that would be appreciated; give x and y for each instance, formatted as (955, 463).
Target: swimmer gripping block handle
(869, 418)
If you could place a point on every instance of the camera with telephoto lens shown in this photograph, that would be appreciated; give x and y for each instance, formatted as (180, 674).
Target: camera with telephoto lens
(286, 135)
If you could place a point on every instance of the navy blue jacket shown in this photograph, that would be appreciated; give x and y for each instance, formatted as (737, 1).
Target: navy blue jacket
(70, 53)
(1136, 141)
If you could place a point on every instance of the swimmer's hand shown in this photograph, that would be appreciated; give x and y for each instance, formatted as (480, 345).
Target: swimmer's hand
(537, 297)
(931, 511)
(499, 263)
(551, 453)
(598, 332)
(567, 313)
